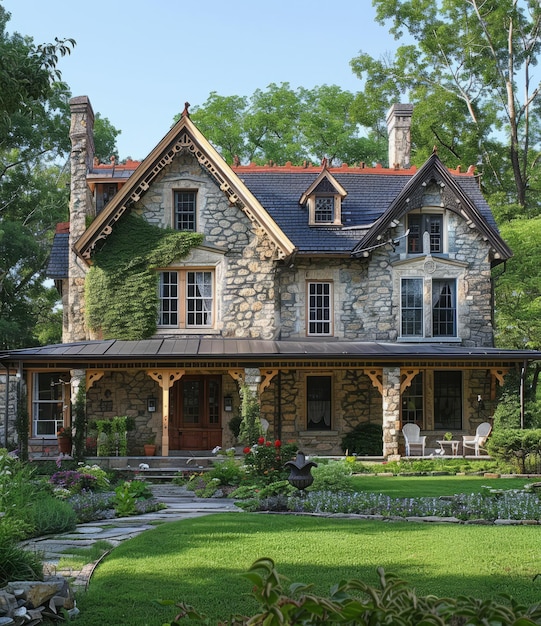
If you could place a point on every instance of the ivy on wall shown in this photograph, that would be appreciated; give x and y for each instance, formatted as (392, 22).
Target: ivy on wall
(121, 287)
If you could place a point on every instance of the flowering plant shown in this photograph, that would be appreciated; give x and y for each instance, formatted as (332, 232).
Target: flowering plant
(64, 431)
(266, 459)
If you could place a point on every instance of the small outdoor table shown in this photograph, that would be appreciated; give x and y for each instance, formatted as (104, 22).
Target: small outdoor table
(453, 444)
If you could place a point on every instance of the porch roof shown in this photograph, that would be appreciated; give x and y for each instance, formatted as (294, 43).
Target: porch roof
(178, 352)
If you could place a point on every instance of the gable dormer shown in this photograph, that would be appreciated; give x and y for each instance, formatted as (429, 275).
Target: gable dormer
(324, 200)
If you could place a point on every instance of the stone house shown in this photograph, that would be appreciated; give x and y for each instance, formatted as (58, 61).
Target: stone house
(338, 295)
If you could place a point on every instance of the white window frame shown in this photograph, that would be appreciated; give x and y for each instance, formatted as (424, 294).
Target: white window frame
(56, 404)
(428, 291)
(319, 308)
(192, 301)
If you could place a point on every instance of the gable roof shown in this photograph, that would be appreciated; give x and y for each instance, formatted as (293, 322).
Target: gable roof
(183, 136)
(463, 199)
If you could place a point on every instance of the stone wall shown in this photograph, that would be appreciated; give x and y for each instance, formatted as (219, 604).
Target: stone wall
(11, 407)
(355, 401)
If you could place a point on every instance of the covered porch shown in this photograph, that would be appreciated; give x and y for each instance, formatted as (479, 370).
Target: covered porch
(185, 393)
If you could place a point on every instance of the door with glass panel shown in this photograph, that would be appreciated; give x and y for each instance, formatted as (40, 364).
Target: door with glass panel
(195, 422)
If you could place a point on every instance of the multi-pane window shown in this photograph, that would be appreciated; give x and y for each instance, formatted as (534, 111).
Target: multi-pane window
(318, 402)
(186, 299)
(48, 402)
(168, 299)
(324, 210)
(412, 307)
(319, 308)
(185, 210)
(412, 402)
(447, 400)
(443, 308)
(418, 224)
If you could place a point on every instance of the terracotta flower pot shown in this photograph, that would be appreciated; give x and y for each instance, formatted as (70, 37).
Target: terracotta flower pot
(64, 445)
(150, 449)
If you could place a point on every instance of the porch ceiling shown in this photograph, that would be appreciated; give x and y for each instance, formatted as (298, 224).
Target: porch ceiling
(171, 352)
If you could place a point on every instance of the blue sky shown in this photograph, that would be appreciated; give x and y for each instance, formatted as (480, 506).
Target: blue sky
(139, 61)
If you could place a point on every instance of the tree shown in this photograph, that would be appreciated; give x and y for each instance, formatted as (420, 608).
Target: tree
(34, 147)
(280, 124)
(471, 60)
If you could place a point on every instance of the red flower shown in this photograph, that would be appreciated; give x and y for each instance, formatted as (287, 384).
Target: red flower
(268, 444)
(261, 441)
(277, 443)
(247, 450)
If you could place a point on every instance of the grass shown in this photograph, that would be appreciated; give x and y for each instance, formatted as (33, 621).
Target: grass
(201, 561)
(432, 486)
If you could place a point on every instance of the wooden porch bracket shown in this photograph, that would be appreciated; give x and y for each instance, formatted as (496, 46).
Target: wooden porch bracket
(409, 375)
(237, 375)
(166, 379)
(266, 378)
(497, 376)
(376, 376)
(92, 376)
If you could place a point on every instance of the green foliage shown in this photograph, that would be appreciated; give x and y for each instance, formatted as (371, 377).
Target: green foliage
(128, 494)
(121, 288)
(16, 563)
(366, 439)
(518, 289)
(22, 424)
(227, 472)
(334, 476)
(49, 515)
(112, 435)
(280, 124)
(463, 98)
(265, 461)
(356, 602)
(79, 423)
(522, 448)
(250, 427)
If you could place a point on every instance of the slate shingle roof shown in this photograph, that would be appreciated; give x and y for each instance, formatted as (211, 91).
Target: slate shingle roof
(369, 195)
(57, 267)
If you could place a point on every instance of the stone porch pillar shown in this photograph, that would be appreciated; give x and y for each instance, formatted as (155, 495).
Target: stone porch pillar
(391, 410)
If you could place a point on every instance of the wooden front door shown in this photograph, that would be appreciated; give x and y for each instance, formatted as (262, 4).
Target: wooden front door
(195, 422)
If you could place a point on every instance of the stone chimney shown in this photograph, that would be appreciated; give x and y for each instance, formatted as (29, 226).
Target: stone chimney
(399, 131)
(81, 205)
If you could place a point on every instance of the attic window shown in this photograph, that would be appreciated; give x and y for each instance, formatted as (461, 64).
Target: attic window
(324, 201)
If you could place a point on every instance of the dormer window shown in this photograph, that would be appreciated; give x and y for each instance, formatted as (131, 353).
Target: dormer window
(104, 194)
(418, 225)
(324, 201)
(324, 209)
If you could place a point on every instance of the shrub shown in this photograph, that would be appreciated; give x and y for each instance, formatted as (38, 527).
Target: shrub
(128, 494)
(365, 439)
(522, 448)
(265, 460)
(89, 506)
(227, 472)
(18, 564)
(49, 515)
(334, 476)
(250, 426)
(73, 481)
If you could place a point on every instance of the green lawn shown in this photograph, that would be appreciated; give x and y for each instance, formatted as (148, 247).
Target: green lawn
(432, 486)
(201, 561)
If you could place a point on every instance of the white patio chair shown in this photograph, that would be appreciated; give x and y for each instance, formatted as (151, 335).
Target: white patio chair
(477, 441)
(413, 438)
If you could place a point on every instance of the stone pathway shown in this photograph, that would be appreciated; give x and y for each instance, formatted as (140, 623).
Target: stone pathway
(181, 504)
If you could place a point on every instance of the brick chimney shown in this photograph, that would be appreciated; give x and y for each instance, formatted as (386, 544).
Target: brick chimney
(398, 129)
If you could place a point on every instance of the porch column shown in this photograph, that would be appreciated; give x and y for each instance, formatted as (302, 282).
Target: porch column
(391, 410)
(166, 379)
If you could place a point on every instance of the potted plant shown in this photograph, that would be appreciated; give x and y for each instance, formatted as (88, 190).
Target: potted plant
(150, 446)
(448, 437)
(64, 438)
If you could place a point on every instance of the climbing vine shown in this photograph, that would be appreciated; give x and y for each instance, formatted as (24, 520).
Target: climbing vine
(121, 287)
